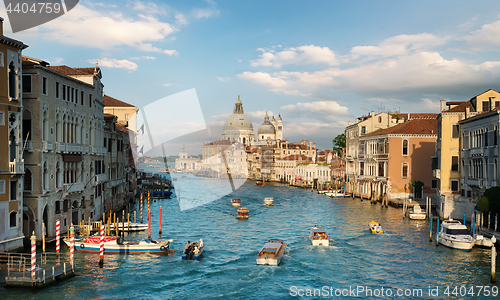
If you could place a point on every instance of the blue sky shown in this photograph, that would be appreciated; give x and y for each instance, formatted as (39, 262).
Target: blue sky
(318, 63)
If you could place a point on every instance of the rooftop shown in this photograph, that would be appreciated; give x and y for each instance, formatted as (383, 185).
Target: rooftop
(110, 101)
(413, 126)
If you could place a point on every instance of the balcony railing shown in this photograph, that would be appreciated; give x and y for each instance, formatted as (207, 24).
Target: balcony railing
(16, 167)
(73, 187)
(476, 151)
(47, 146)
(29, 146)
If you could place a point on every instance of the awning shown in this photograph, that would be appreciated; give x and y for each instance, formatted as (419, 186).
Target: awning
(72, 158)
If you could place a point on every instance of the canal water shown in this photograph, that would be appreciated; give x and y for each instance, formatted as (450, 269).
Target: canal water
(400, 261)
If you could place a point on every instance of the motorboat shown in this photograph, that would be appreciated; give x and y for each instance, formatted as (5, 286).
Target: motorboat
(272, 252)
(482, 241)
(416, 213)
(455, 235)
(261, 183)
(375, 227)
(115, 245)
(236, 202)
(194, 252)
(319, 237)
(336, 194)
(242, 213)
(268, 201)
(164, 170)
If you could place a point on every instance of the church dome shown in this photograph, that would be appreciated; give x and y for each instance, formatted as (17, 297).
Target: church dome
(238, 120)
(266, 127)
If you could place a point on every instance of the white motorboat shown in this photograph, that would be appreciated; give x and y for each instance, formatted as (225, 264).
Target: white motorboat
(482, 241)
(455, 235)
(319, 237)
(236, 202)
(416, 213)
(337, 194)
(268, 201)
(115, 245)
(272, 252)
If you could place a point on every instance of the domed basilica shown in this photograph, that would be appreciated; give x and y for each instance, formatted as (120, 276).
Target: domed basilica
(239, 128)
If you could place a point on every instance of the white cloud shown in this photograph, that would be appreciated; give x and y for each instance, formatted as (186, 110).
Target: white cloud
(204, 13)
(273, 83)
(84, 27)
(168, 84)
(308, 54)
(483, 39)
(318, 107)
(101, 4)
(224, 79)
(431, 105)
(221, 117)
(181, 19)
(149, 8)
(115, 63)
(259, 115)
(143, 57)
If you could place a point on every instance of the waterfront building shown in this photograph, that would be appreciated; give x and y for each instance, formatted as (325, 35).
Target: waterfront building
(116, 166)
(63, 121)
(447, 164)
(125, 113)
(11, 143)
(392, 159)
(186, 164)
(222, 157)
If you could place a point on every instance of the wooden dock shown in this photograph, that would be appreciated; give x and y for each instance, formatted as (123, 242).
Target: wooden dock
(50, 268)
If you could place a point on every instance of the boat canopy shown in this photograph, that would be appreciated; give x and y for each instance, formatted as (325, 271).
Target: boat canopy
(453, 231)
(277, 241)
(271, 247)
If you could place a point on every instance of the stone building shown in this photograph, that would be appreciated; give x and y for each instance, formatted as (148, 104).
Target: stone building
(63, 125)
(11, 143)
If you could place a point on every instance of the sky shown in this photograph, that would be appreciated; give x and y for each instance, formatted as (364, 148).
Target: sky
(319, 64)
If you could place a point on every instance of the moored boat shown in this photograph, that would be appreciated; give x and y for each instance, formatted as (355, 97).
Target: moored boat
(268, 201)
(261, 183)
(416, 213)
(272, 252)
(375, 227)
(455, 235)
(115, 245)
(236, 202)
(319, 237)
(194, 252)
(242, 213)
(337, 194)
(482, 241)
(129, 227)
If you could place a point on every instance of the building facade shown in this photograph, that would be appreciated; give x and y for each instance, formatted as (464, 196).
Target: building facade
(11, 143)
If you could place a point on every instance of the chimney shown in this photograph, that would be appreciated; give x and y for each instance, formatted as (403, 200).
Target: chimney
(373, 113)
(314, 145)
(492, 103)
(287, 144)
(310, 145)
(467, 112)
(443, 103)
(349, 123)
(408, 116)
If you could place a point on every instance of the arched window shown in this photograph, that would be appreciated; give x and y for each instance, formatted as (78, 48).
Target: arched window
(13, 219)
(12, 80)
(27, 179)
(45, 177)
(405, 147)
(404, 172)
(12, 146)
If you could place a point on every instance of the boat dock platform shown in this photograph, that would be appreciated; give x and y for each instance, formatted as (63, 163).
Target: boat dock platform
(15, 268)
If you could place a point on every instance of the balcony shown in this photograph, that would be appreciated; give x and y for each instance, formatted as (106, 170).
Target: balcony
(101, 178)
(95, 149)
(29, 146)
(47, 146)
(73, 187)
(436, 173)
(476, 151)
(16, 167)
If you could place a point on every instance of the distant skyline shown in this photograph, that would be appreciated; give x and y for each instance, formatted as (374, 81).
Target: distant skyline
(319, 64)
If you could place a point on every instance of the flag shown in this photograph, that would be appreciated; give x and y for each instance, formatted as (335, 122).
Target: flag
(141, 129)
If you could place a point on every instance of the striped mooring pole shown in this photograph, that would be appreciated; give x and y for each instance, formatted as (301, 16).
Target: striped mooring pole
(58, 235)
(141, 207)
(149, 224)
(33, 257)
(148, 204)
(160, 221)
(101, 248)
(72, 244)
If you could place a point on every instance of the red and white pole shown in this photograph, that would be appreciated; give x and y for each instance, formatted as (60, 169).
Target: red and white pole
(101, 244)
(58, 234)
(33, 257)
(72, 244)
(141, 207)
(160, 221)
(149, 224)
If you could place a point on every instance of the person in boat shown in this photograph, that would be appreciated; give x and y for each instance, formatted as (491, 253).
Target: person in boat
(201, 243)
(378, 228)
(186, 247)
(196, 250)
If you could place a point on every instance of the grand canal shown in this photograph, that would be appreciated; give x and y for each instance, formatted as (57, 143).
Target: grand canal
(401, 259)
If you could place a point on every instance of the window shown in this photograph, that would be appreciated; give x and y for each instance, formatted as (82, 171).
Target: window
(126, 116)
(90, 100)
(12, 81)
(13, 219)
(57, 90)
(72, 94)
(44, 85)
(13, 190)
(2, 186)
(27, 84)
(469, 194)
(497, 103)
(454, 131)
(381, 169)
(486, 137)
(405, 147)
(495, 136)
(81, 97)
(363, 130)
(64, 91)
(1, 59)
(2, 118)
(404, 172)
(361, 168)
(486, 105)
(454, 185)
(454, 163)
(380, 119)
(27, 180)
(58, 207)
(433, 183)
